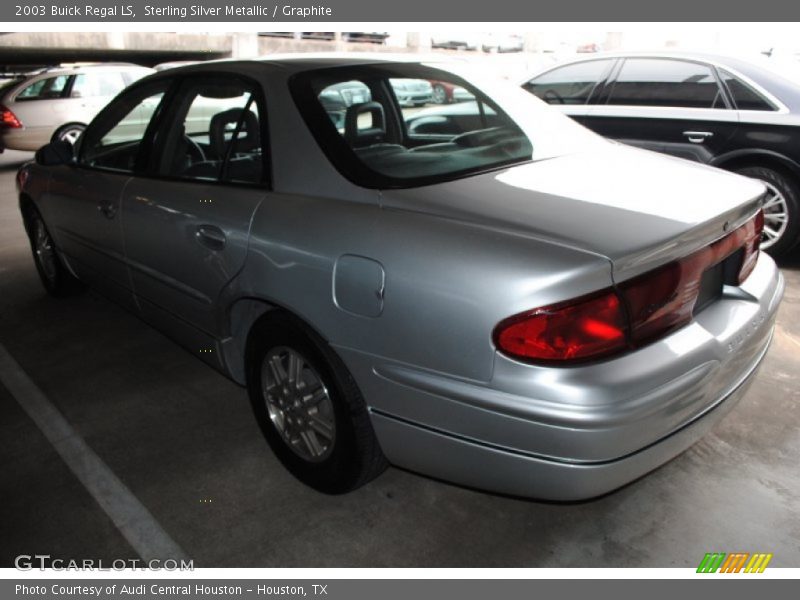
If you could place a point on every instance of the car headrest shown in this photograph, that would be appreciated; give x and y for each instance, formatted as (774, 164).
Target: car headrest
(356, 136)
(225, 123)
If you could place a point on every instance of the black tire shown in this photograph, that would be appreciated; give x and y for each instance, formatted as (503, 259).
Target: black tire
(353, 457)
(788, 189)
(68, 133)
(56, 278)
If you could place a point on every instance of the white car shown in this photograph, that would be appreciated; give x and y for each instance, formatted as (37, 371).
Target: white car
(58, 103)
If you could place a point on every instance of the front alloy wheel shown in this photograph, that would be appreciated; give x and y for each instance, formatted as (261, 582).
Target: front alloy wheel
(57, 280)
(44, 252)
(439, 94)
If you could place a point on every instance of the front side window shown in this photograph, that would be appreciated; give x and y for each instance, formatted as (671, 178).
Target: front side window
(92, 85)
(215, 133)
(666, 82)
(571, 84)
(392, 135)
(114, 139)
(48, 88)
(744, 96)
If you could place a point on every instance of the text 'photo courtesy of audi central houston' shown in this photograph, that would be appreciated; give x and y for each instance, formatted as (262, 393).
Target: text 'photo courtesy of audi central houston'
(519, 306)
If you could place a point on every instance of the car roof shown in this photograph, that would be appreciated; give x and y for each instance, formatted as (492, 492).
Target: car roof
(298, 62)
(73, 69)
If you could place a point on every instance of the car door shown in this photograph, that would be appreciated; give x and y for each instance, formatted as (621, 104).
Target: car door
(668, 105)
(572, 88)
(86, 197)
(186, 221)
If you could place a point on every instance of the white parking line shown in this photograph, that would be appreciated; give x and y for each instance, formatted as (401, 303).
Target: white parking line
(130, 516)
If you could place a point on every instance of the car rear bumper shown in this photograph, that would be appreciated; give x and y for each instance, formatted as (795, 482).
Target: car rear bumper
(572, 433)
(474, 464)
(25, 138)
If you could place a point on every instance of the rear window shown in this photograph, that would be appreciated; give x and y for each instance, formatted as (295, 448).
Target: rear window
(8, 84)
(378, 125)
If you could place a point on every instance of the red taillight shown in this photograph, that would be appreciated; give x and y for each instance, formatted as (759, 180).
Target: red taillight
(587, 327)
(636, 312)
(752, 244)
(661, 300)
(8, 118)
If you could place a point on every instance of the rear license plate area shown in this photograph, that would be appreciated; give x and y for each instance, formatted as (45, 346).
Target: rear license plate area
(714, 278)
(710, 287)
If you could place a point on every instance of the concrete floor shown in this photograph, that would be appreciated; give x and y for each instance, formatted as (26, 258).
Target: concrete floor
(176, 432)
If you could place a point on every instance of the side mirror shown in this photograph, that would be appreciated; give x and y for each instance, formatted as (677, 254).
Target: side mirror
(54, 154)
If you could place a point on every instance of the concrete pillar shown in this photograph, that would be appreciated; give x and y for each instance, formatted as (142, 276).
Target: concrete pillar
(418, 42)
(116, 40)
(245, 45)
(531, 42)
(613, 40)
(339, 45)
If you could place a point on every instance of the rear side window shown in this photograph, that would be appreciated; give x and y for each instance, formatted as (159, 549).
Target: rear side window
(571, 84)
(744, 96)
(664, 82)
(43, 89)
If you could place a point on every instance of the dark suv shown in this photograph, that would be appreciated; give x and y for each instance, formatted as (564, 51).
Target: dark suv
(722, 111)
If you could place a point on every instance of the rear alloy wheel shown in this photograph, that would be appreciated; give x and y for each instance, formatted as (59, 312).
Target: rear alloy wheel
(309, 407)
(68, 133)
(781, 210)
(56, 278)
(439, 94)
(298, 404)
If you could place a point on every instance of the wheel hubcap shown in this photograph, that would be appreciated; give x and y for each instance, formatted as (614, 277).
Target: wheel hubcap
(44, 252)
(439, 95)
(71, 135)
(298, 404)
(776, 216)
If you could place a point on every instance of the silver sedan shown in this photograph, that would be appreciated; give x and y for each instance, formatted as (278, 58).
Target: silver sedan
(516, 305)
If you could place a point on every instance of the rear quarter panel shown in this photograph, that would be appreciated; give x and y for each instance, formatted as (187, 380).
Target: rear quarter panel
(447, 283)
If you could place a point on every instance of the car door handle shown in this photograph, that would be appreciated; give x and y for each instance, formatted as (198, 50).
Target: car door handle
(697, 137)
(108, 210)
(211, 237)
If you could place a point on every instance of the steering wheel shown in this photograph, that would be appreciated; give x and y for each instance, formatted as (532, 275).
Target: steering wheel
(554, 96)
(194, 151)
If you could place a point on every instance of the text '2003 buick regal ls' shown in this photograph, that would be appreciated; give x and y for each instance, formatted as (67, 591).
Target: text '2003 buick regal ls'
(519, 305)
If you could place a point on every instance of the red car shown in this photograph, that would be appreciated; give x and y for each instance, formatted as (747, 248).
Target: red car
(446, 93)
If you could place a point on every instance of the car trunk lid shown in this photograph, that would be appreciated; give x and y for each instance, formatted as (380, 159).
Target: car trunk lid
(637, 208)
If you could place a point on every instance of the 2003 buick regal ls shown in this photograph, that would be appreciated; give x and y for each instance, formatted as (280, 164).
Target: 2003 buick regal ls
(521, 306)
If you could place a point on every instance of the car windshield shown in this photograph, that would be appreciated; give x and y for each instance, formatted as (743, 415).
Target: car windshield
(403, 125)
